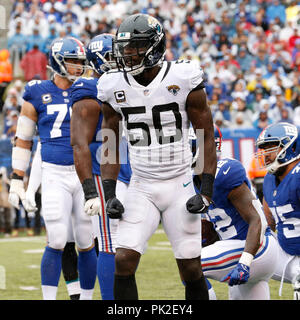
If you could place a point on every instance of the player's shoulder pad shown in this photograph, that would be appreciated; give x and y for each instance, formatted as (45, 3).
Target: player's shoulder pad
(85, 80)
(33, 83)
(107, 83)
(83, 83)
(187, 69)
(296, 170)
(190, 72)
(230, 170)
(84, 87)
(32, 89)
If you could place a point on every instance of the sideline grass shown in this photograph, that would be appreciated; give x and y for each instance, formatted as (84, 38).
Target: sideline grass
(157, 275)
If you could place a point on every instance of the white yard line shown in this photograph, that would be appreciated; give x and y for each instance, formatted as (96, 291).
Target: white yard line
(33, 266)
(25, 239)
(28, 288)
(159, 248)
(34, 250)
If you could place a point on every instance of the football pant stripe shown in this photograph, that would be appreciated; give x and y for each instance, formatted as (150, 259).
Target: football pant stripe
(230, 257)
(106, 243)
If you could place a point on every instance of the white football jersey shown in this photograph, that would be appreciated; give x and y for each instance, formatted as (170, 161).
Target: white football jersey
(154, 117)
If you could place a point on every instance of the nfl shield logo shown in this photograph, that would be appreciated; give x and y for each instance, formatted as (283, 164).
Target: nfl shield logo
(146, 92)
(274, 193)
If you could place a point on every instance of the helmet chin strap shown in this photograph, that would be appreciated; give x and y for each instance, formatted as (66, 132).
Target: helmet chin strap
(69, 77)
(276, 165)
(72, 78)
(273, 167)
(137, 71)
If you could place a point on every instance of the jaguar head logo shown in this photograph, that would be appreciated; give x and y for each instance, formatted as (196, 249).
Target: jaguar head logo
(173, 89)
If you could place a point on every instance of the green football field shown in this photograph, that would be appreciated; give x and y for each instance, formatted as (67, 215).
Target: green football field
(157, 275)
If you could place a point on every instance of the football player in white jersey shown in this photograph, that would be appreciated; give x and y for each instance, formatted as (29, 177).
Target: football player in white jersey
(47, 106)
(156, 102)
(279, 153)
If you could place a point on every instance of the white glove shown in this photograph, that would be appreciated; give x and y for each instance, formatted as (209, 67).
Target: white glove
(16, 193)
(93, 207)
(29, 203)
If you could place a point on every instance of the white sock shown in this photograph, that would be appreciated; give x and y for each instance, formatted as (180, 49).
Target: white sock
(49, 292)
(73, 287)
(86, 294)
(212, 294)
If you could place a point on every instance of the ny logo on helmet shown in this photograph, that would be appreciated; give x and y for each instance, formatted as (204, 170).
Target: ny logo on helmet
(57, 46)
(290, 130)
(96, 46)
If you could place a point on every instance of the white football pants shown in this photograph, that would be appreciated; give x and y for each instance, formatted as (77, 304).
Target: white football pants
(149, 201)
(63, 204)
(221, 257)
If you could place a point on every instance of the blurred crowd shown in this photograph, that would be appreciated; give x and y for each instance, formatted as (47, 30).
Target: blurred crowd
(249, 50)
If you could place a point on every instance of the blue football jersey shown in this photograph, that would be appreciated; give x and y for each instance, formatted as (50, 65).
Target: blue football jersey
(87, 88)
(284, 202)
(53, 106)
(226, 219)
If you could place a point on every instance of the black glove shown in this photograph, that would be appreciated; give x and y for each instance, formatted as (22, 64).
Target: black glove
(114, 208)
(197, 204)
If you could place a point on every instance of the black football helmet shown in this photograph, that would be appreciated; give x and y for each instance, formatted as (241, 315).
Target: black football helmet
(140, 43)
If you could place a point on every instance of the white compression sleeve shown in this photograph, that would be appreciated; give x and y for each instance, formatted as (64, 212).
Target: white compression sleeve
(36, 170)
(20, 158)
(25, 128)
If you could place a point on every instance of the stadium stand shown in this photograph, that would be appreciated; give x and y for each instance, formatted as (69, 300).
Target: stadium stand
(249, 50)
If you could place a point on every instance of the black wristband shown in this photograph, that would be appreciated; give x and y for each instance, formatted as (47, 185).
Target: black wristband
(109, 187)
(16, 176)
(89, 189)
(207, 184)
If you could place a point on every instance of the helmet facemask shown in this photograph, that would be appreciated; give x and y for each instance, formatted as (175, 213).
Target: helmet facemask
(262, 154)
(278, 145)
(138, 53)
(66, 65)
(108, 62)
(61, 51)
(280, 150)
